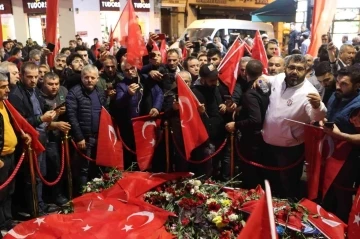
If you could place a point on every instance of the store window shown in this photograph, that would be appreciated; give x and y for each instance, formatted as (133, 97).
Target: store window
(301, 13)
(346, 22)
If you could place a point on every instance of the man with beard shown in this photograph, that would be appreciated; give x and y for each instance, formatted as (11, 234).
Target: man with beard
(276, 65)
(192, 65)
(72, 75)
(292, 97)
(152, 69)
(324, 75)
(60, 64)
(135, 96)
(271, 48)
(342, 104)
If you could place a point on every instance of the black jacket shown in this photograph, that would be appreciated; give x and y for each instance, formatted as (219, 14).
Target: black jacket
(214, 121)
(19, 97)
(79, 109)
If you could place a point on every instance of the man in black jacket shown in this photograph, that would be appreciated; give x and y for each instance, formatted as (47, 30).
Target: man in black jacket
(8, 142)
(27, 99)
(249, 123)
(72, 75)
(84, 102)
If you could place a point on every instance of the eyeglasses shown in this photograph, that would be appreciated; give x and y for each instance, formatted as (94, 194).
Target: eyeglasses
(298, 69)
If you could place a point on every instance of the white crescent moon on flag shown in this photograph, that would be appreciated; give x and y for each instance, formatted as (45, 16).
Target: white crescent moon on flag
(185, 100)
(112, 132)
(147, 123)
(331, 223)
(17, 235)
(331, 144)
(148, 214)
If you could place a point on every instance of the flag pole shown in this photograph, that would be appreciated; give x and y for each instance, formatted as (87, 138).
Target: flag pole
(232, 155)
(33, 182)
(167, 146)
(68, 165)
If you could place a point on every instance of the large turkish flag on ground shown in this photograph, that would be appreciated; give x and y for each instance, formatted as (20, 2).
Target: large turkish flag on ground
(109, 147)
(327, 223)
(258, 51)
(354, 219)
(146, 133)
(193, 129)
(228, 68)
(20, 124)
(134, 219)
(261, 223)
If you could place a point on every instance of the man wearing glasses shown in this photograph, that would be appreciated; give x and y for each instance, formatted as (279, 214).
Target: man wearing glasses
(292, 97)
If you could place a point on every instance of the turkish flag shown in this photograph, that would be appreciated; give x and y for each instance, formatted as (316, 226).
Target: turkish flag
(133, 219)
(184, 53)
(261, 223)
(354, 219)
(52, 14)
(109, 147)
(163, 51)
(334, 153)
(228, 68)
(136, 48)
(22, 125)
(258, 51)
(193, 129)
(313, 157)
(146, 135)
(327, 223)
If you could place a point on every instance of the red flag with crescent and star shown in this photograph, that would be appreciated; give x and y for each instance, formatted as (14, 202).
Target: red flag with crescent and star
(109, 147)
(327, 223)
(354, 218)
(258, 51)
(132, 219)
(193, 129)
(146, 133)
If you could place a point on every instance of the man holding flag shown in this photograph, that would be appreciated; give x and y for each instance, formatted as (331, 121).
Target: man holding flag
(8, 142)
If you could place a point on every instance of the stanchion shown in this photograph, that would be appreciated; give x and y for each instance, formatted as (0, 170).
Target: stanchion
(33, 182)
(68, 165)
(166, 124)
(232, 155)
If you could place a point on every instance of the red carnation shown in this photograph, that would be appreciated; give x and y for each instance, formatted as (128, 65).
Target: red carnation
(225, 235)
(185, 221)
(214, 207)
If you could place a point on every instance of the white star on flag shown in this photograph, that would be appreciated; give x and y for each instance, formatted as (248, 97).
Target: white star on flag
(127, 228)
(152, 142)
(39, 221)
(86, 228)
(357, 219)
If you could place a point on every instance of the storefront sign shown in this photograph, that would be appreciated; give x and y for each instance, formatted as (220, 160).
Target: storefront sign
(82, 33)
(109, 5)
(212, 1)
(141, 5)
(261, 1)
(5, 7)
(34, 6)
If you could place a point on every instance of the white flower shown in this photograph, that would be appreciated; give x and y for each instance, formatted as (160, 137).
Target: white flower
(168, 196)
(196, 188)
(191, 181)
(210, 200)
(98, 179)
(233, 217)
(192, 191)
(211, 215)
(197, 183)
(88, 189)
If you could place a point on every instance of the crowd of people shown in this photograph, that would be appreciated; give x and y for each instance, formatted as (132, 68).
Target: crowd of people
(68, 98)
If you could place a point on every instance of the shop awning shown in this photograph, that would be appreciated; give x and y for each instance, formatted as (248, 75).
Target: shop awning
(278, 11)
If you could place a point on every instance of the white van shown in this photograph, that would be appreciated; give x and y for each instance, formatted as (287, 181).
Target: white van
(221, 27)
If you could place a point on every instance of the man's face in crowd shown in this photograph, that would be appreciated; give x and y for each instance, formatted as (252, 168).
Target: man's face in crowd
(215, 60)
(79, 42)
(67, 52)
(4, 90)
(326, 80)
(60, 63)
(7, 46)
(309, 61)
(130, 71)
(216, 40)
(271, 49)
(276, 65)
(85, 56)
(42, 72)
(344, 87)
(194, 67)
(77, 64)
(210, 82)
(89, 79)
(30, 78)
(186, 77)
(173, 60)
(51, 86)
(347, 55)
(109, 67)
(30, 41)
(203, 60)
(241, 70)
(295, 73)
(14, 74)
(36, 59)
(155, 60)
(325, 39)
(265, 40)
(72, 44)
